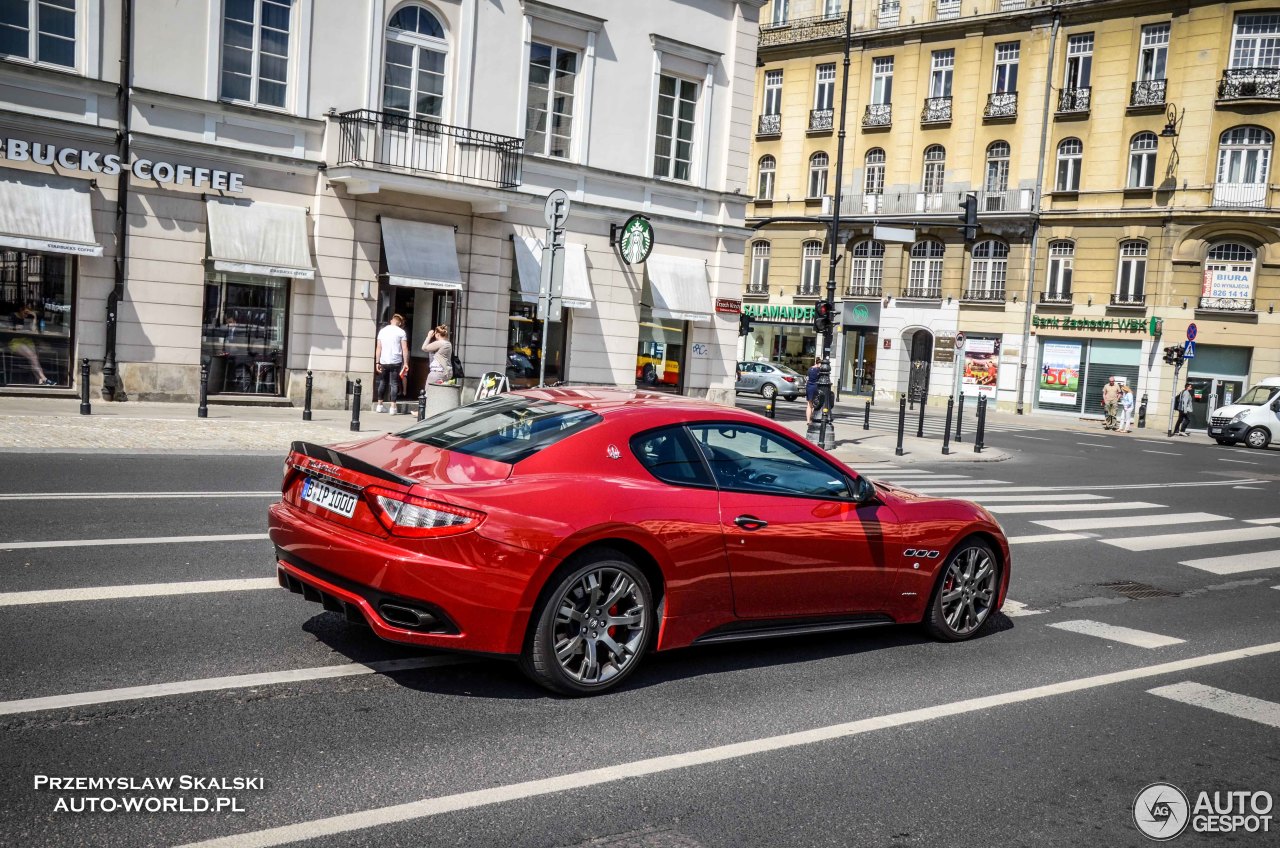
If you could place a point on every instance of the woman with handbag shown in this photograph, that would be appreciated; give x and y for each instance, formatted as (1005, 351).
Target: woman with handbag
(441, 351)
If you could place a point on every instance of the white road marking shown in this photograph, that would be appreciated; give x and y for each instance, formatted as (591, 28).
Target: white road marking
(1181, 540)
(1022, 509)
(213, 684)
(1166, 453)
(1240, 461)
(1109, 488)
(1221, 701)
(927, 484)
(1236, 564)
(107, 496)
(143, 540)
(1251, 488)
(898, 478)
(1013, 609)
(1094, 445)
(139, 590)
(1037, 438)
(595, 778)
(1046, 537)
(1262, 521)
(1132, 521)
(1035, 498)
(1112, 633)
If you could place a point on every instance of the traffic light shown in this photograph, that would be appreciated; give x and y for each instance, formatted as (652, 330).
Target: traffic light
(1173, 355)
(822, 317)
(744, 324)
(969, 220)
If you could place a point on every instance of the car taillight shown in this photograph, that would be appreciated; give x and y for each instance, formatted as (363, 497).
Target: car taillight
(789, 379)
(420, 518)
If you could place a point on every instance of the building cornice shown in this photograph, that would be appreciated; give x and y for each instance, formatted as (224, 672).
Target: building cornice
(685, 51)
(565, 17)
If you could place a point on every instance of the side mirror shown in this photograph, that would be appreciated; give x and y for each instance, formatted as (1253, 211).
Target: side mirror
(864, 491)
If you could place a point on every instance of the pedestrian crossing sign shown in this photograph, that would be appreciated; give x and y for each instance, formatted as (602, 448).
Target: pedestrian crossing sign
(1188, 349)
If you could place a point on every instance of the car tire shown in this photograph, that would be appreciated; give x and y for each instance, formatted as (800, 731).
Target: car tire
(1257, 437)
(768, 391)
(792, 398)
(565, 653)
(956, 609)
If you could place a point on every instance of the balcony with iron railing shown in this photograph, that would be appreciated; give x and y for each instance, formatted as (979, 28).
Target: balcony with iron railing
(1001, 104)
(1129, 299)
(796, 30)
(922, 291)
(913, 201)
(821, 120)
(1249, 84)
(372, 139)
(1226, 304)
(983, 295)
(889, 13)
(1074, 101)
(1242, 196)
(769, 125)
(867, 290)
(1055, 298)
(937, 110)
(878, 115)
(1148, 93)
(945, 10)
(811, 290)
(756, 290)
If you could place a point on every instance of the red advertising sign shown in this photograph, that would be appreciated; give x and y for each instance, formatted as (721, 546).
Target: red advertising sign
(724, 304)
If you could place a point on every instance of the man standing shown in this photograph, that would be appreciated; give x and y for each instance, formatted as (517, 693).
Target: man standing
(392, 357)
(1185, 400)
(1110, 399)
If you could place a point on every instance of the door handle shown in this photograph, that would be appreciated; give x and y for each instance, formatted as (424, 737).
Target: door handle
(750, 522)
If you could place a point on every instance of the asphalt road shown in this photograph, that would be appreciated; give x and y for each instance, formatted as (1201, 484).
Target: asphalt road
(1040, 731)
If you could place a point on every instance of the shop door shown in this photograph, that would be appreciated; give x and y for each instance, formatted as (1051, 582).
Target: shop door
(921, 358)
(1201, 400)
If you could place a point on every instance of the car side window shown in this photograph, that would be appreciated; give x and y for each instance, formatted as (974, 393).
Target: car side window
(750, 459)
(670, 455)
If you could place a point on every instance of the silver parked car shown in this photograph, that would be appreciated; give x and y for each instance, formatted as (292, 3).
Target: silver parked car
(769, 380)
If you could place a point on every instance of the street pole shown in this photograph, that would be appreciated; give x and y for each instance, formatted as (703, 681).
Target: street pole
(550, 283)
(826, 427)
(1173, 396)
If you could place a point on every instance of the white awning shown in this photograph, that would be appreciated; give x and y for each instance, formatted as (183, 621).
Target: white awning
(679, 288)
(576, 293)
(421, 256)
(259, 238)
(53, 214)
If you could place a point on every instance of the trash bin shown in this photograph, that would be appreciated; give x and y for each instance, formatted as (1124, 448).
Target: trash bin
(443, 397)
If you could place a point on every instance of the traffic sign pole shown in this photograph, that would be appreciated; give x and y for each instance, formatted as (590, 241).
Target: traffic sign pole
(551, 281)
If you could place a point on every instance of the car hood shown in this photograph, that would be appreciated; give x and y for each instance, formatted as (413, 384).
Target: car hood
(1232, 411)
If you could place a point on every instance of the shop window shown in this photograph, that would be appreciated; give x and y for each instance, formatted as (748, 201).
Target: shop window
(36, 298)
(244, 331)
(255, 51)
(553, 75)
(42, 31)
(660, 353)
(413, 73)
(1228, 277)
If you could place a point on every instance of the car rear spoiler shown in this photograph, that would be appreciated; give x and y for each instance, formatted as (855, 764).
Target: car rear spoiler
(350, 463)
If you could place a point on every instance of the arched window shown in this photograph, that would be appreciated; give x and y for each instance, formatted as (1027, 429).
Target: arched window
(1142, 160)
(988, 270)
(414, 71)
(811, 273)
(874, 183)
(1070, 157)
(1244, 161)
(1228, 277)
(1131, 277)
(764, 183)
(759, 268)
(867, 275)
(997, 182)
(924, 278)
(818, 175)
(1062, 257)
(935, 166)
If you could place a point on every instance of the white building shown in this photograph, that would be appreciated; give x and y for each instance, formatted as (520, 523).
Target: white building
(295, 171)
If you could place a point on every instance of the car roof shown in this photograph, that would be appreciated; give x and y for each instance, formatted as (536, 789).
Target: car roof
(657, 407)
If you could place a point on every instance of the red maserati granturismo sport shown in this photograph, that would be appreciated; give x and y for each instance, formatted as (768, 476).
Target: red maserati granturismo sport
(578, 528)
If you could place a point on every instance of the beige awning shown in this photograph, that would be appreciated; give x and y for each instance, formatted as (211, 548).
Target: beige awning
(678, 287)
(48, 213)
(576, 293)
(421, 256)
(259, 238)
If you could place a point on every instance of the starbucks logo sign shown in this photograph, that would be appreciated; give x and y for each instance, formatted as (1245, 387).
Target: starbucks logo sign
(637, 240)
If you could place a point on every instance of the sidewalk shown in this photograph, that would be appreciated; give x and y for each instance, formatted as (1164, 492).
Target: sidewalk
(856, 446)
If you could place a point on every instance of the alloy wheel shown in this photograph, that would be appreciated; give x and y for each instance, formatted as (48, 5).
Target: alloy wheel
(600, 626)
(769, 391)
(968, 590)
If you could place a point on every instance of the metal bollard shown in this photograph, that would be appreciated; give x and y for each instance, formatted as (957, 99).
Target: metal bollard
(946, 431)
(866, 417)
(1142, 413)
(202, 411)
(422, 404)
(771, 406)
(355, 407)
(85, 407)
(902, 423)
(920, 426)
(982, 424)
(959, 418)
(306, 402)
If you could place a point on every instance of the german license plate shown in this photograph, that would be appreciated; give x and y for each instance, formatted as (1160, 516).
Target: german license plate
(329, 497)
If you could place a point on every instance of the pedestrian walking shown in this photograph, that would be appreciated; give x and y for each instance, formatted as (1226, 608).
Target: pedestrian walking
(1126, 410)
(391, 355)
(811, 390)
(1110, 403)
(441, 351)
(1184, 406)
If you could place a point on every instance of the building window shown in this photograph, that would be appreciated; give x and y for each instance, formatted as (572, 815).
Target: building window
(1079, 62)
(935, 168)
(773, 92)
(817, 175)
(413, 75)
(37, 303)
(824, 92)
(924, 278)
(882, 80)
(811, 273)
(867, 275)
(553, 75)
(1062, 256)
(677, 103)
(997, 181)
(831, 8)
(943, 67)
(1228, 277)
(1005, 78)
(1131, 277)
(1070, 156)
(255, 51)
(778, 13)
(243, 334)
(874, 183)
(988, 270)
(760, 268)
(1244, 155)
(1154, 54)
(764, 181)
(1142, 160)
(1256, 43)
(42, 31)
(660, 352)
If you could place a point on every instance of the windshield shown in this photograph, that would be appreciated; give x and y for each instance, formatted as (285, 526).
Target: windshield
(785, 370)
(506, 428)
(1257, 396)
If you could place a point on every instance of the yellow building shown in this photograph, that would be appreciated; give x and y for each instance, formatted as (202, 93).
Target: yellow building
(1119, 153)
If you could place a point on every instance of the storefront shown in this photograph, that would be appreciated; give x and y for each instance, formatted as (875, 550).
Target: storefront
(1073, 371)
(981, 374)
(782, 334)
(527, 327)
(1218, 374)
(860, 322)
(675, 298)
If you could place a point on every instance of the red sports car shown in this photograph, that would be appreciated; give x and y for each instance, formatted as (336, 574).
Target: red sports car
(578, 528)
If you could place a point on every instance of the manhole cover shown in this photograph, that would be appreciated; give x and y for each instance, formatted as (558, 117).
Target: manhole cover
(1138, 591)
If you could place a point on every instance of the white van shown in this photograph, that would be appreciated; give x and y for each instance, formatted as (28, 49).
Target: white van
(1253, 419)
